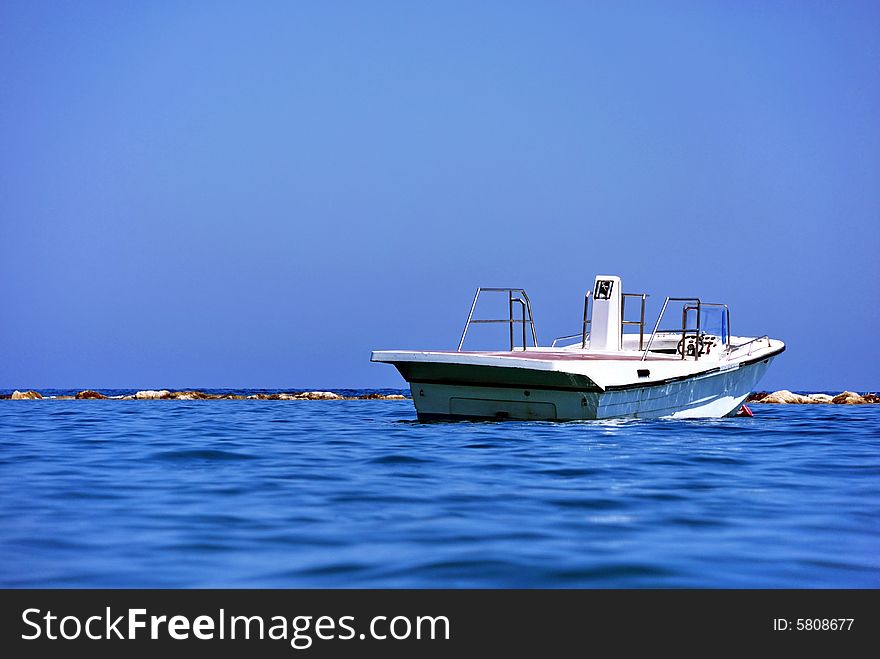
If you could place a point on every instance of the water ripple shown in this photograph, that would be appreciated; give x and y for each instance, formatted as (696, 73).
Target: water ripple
(356, 493)
(199, 454)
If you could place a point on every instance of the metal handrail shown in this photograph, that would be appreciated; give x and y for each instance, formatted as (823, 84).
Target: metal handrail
(640, 322)
(732, 349)
(563, 338)
(684, 324)
(522, 304)
(696, 331)
(588, 320)
(525, 304)
(531, 321)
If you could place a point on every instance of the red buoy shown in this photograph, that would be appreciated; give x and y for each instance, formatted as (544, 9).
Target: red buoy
(744, 411)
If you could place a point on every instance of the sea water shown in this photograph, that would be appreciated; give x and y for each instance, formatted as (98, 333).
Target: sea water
(259, 493)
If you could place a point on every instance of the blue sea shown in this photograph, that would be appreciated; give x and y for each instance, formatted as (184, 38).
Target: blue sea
(248, 493)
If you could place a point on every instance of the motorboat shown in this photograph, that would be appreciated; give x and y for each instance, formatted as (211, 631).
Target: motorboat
(612, 368)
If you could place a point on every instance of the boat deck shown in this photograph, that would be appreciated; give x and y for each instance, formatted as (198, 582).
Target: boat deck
(557, 355)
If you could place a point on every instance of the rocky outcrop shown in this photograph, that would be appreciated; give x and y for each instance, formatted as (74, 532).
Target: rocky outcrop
(317, 395)
(89, 393)
(306, 395)
(785, 397)
(25, 395)
(165, 394)
(380, 397)
(192, 395)
(152, 394)
(848, 398)
(186, 395)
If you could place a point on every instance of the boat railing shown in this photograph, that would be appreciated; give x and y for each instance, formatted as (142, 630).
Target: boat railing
(565, 338)
(640, 323)
(583, 333)
(514, 296)
(683, 330)
(751, 345)
(696, 348)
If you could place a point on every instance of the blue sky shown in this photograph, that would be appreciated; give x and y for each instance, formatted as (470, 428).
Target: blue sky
(258, 194)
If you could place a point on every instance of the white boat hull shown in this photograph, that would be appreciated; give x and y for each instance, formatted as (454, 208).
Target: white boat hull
(713, 394)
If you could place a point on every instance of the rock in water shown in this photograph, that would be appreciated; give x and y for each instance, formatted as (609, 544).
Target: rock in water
(848, 398)
(25, 395)
(191, 395)
(304, 395)
(785, 397)
(89, 393)
(318, 395)
(151, 394)
(381, 397)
